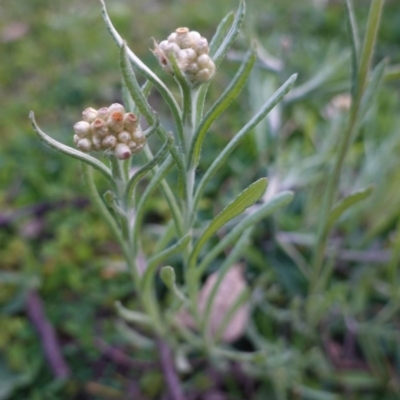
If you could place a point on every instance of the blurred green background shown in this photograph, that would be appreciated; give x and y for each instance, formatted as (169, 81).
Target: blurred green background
(57, 58)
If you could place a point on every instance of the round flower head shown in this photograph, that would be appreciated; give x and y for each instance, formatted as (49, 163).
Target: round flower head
(190, 50)
(110, 129)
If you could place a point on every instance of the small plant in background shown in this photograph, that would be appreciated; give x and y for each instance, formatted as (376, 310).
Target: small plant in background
(200, 309)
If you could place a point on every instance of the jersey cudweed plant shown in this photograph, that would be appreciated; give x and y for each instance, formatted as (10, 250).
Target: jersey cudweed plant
(107, 139)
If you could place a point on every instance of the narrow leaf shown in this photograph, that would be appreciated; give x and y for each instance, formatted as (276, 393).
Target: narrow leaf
(230, 93)
(69, 151)
(355, 44)
(147, 72)
(170, 251)
(346, 203)
(280, 200)
(245, 199)
(220, 34)
(222, 157)
(231, 36)
(373, 22)
(140, 100)
(159, 157)
(372, 88)
(131, 315)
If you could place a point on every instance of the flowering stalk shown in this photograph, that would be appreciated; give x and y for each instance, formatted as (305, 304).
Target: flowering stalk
(115, 134)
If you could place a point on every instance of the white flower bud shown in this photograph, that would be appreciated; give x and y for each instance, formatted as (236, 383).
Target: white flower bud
(99, 127)
(138, 137)
(172, 37)
(163, 45)
(191, 55)
(116, 107)
(82, 128)
(194, 36)
(204, 75)
(96, 141)
(102, 113)
(182, 60)
(84, 145)
(89, 114)
(122, 151)
(171, 48)
(201, 46)
(203, 60)
(182, 38)
(109, 142)
(132, 145)
(192, 69)
(137, 149)
(76, 139)
(130, 122)
(124, 137)
(116, 121)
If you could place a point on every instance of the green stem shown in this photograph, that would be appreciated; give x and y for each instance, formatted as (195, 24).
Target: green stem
(345, 142)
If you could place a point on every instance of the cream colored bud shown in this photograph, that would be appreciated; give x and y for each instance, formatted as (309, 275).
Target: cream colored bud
(194, 36)
(116, 121)
(201, 46)
(84, 145)
(172, 37)
(82, 128)
(76, 139)
(171, 48)
(132, 145)
(124, 137)
(96, 141)
(192, 69)
(89, 114)
(137, 149)
(204, 75)
(109, 142)
(138, 137)
(102, 113)
(182, 38)
(191, 55)
(182, 60)
(130, 122)
(99, 127)
(203, 60)
(163, 45)
(122, 151)
(116, 107)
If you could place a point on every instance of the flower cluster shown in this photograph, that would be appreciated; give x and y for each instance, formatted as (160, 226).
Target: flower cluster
(109, 129)
(190, 50)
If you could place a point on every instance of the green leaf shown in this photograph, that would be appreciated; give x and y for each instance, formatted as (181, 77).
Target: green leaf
(141, 103)
(157, 259)
(220, 34)
(132, 316)
(371, 33)
(355, 44)
(159, 157)
(245, 199)
(231, 36)
(346, 203)
(280, 200)
(184, 86)
(155, 182)
(147, 72)
(229, 94)
(222, 157)
(372, 88)
(69, 151)
(133, 87)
